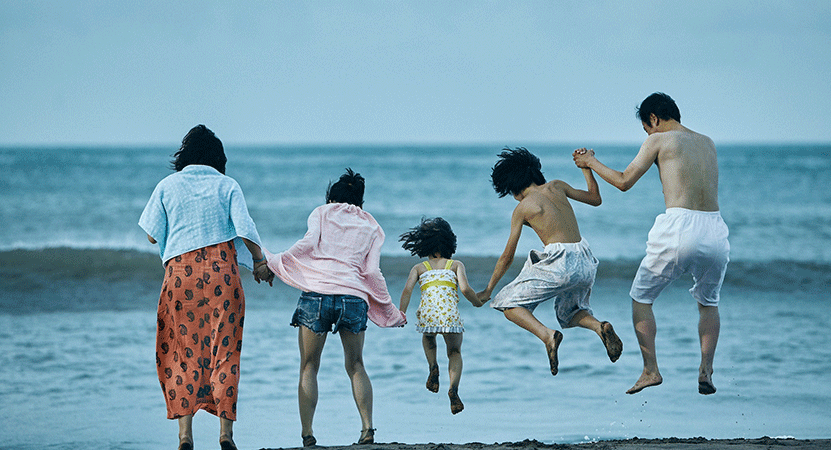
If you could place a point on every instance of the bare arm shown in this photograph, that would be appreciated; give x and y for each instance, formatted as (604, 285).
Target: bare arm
(504, 261)
(150, 238)
(261, 270)
(585, 158)
(408, 289)
(464, 286)
(591, 196)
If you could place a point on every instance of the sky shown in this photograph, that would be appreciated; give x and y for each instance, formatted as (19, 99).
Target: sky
(138, 73)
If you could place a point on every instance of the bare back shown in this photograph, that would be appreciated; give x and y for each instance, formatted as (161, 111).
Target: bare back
(688, 168)
(547, 211)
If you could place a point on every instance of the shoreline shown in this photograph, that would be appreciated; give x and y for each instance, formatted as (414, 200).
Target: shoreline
(699, 443)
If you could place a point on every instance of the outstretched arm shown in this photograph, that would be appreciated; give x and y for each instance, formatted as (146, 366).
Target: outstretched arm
(504, 261)
(408, 289)
(465, 288)
(585, 159)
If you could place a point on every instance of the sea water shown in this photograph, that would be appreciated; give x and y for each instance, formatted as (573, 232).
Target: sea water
(80, 284)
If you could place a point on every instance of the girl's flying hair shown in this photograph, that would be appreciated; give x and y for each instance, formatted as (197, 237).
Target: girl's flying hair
(432, 236)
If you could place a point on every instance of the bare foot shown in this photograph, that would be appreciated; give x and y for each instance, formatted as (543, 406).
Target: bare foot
(646, 380)
(433, 379)
(614, 347)
(456, 405)
(705, 384)
(551, 347)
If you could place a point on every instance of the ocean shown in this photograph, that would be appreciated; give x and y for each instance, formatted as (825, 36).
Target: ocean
(80, 285)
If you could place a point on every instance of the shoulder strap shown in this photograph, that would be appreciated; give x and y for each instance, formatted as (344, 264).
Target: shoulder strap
(427, 265)
(449, 263)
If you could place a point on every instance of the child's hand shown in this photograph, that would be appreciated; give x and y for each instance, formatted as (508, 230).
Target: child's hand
(483, 297)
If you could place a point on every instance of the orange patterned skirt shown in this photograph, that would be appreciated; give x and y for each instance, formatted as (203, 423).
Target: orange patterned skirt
(199, 332)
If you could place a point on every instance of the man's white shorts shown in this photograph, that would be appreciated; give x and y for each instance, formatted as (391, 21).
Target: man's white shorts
(684, 241)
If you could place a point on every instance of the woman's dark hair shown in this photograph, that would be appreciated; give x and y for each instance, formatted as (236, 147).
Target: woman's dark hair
(660, 104)
(516, 170)
(200, 146)
(432, 236)
(348, 189)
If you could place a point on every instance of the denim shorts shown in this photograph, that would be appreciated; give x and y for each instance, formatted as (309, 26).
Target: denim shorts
(321, 312)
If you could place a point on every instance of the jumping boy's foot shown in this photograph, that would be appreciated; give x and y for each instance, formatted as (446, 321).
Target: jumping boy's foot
(551, 347)
(456, 405)
(433, 379)
(705, 384)
(646, 380)
(614, 347)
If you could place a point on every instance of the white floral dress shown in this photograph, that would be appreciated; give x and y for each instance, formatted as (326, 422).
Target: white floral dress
(438, 311)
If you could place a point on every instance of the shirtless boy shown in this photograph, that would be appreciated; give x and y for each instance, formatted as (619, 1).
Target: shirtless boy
(563, 271)
(690, 237)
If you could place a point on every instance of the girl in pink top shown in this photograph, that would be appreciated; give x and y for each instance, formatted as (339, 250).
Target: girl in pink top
(336, 265)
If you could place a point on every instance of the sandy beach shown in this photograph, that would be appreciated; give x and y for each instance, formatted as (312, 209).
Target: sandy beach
(700, 443)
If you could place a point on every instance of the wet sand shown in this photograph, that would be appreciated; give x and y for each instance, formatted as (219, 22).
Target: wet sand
(700, 443)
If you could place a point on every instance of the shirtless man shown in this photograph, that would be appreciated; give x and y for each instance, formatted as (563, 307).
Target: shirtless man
(563, 271)
(690, 237)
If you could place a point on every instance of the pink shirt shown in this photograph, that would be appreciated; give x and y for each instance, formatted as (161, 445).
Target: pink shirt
(340, 255)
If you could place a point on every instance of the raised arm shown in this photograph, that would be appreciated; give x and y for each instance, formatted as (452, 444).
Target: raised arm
(464, 286)
(584, 158)
(412, 279)
(591, 196)
(507, 257)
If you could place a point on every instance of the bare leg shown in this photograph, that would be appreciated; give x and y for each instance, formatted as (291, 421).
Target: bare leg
(186, 432)
(614, 347)
(428, 341)
(645, 329)
(709, 325)
(454, 366)
(549, 337)
(353, 348)
(311, 346)
(226, 434)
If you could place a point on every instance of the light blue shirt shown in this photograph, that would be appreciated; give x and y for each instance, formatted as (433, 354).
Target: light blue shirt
(195, 208)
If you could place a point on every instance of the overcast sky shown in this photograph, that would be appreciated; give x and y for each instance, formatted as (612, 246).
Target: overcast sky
(363, 71)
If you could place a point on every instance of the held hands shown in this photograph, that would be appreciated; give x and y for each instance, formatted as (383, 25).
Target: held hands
(263, 273)
(483, 297)
(582, 156)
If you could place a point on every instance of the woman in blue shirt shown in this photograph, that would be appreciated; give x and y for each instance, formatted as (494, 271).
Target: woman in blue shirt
(200, 221)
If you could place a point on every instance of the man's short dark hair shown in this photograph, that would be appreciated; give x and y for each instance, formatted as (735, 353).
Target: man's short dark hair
(660, 104)
(516, 170)
(200, 146)
(348, 189)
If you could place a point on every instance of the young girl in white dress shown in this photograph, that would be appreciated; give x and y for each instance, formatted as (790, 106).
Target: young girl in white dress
(438, 313)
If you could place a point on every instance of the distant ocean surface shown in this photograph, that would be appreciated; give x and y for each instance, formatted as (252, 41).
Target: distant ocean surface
(80, 285)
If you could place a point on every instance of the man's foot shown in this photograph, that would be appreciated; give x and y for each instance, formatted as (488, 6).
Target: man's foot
(705, 384)
(433, 379)
(551, 347)
(614, 347)
(646, 380)
(185, 445)
(309, 441)
(456, 405)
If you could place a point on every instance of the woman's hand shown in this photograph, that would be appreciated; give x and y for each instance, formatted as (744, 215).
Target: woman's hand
(263, 273)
